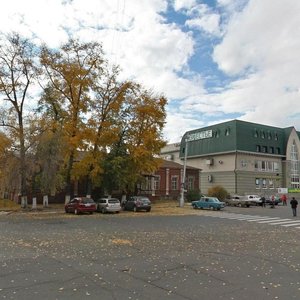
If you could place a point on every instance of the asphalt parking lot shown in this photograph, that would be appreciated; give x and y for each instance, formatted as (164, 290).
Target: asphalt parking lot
(183, 254)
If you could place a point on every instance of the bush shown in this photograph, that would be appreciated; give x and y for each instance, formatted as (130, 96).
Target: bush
(193, 195)
(217, 191)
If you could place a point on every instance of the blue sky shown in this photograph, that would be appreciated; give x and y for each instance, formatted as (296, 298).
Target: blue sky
(214, 60)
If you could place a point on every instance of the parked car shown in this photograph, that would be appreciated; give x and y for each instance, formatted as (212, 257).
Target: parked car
(79, 205)
(137, 203)
(208, 202)
(255, 199)
(105, 205)
(238, 201)
(277, 200)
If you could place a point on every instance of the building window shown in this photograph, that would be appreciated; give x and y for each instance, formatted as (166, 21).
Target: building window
(147, 184)
(174, 183)
(157, 183)
(264, 183)
(257, 148)
(270, 166)
(271, 150)
(276, 166)
(264, 149)
(275, 136)
(257, 165)
(227, 131)
(257, 183)
(271, 184)
(191, 181)
(269, 135)
(277, 150)
(243, 163)
(264, 165)
(255, 133)
(294, 166)
(262, 134)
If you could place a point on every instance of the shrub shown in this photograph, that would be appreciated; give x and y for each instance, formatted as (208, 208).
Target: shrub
(217, 191)
(193, 195)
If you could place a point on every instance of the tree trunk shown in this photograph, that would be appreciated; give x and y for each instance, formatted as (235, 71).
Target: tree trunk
(68, 177)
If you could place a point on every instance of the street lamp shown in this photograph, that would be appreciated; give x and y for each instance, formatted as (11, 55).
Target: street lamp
(181, 203)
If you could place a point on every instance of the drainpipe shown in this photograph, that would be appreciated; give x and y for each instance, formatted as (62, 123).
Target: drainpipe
(235, 173)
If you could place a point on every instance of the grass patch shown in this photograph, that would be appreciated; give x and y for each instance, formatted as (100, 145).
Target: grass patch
(8, 205)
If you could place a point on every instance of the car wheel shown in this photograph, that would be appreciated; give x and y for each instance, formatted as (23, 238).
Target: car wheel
(103, 210)
(218, 208)
(194, 206)
(134, 209)
(201, 207)
(66, 210)
(149, 209)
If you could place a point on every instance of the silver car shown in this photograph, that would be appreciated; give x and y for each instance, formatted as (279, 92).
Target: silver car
(240, 201)
(105, 205)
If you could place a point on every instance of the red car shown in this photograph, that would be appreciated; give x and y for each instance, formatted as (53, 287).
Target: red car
(80, 205)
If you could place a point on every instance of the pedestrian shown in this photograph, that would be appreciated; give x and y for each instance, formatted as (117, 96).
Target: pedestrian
(263, 201)
(283, 199)
(294, 204)
(272, 201)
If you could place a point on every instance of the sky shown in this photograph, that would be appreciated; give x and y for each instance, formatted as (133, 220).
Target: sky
(214, 60)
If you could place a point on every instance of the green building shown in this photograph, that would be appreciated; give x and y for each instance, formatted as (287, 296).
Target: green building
(244, 157)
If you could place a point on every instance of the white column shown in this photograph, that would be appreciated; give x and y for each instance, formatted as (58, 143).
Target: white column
(34, 203)
(45, 200)
(167, 181)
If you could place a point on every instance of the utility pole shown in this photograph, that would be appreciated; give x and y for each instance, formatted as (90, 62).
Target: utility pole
(181, 203)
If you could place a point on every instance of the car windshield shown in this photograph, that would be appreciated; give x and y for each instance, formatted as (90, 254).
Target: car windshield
(113, 201)
(144, 200)
(87, 200)
(214, 200)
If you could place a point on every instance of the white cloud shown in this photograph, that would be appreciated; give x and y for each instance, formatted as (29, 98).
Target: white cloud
(202, 17)
(184, 4)
(208, 23)
(133, 33)
(260, 50)
(258, 53)
(177, 124)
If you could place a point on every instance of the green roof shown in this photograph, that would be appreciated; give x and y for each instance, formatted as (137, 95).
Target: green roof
(234, 136)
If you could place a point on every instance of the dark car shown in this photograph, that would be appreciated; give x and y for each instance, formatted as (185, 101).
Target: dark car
(276, 201)
(80, 205)
(137, 203)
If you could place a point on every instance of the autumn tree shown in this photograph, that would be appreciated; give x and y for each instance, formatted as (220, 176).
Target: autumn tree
(17, 75)
(108, 96)
(50, 148)
(7, 159)
(71, 71)
(140, 124)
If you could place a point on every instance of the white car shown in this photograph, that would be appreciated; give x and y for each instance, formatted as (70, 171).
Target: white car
(105, 205)
(255, 199)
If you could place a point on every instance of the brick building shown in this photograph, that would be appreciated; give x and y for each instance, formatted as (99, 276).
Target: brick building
(165, 183)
